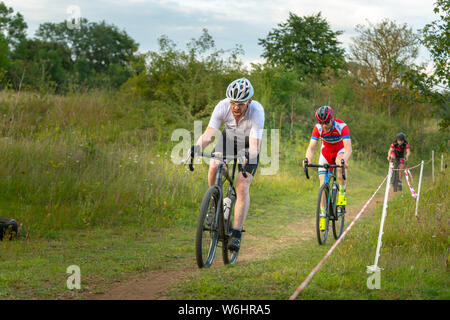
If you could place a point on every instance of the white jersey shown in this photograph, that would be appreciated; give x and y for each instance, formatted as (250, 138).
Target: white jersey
(251, 124)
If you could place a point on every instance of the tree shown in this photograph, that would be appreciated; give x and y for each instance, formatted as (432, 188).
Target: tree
(12, 33)
(99, 51)
(186, 82)
(42, 64)
(305, 44)
(98, 43)
(376, 51)
(436, 37)
(12, 27)
(283, 96)
(4, 55)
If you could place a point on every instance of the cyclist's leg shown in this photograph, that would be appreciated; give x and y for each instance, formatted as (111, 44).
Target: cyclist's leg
(401, 163)
(342, 200)
(213, 167)
(242, 206)
(243, 193)
(220, 147)
(339, 157)
(322, 172)
(393, 156)
(242, 200)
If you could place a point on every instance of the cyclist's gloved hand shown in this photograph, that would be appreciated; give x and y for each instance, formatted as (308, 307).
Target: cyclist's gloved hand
(243, 157)
(194, 150)
(345, 164)
(303, 162)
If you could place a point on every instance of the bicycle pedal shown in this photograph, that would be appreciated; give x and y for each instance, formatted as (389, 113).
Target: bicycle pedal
(340, 209)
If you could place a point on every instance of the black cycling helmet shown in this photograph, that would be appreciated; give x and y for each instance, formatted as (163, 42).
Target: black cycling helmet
(401, 136)
(324, 114)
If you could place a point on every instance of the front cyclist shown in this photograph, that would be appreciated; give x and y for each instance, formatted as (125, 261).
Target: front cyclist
(243, 119)
(336, 145)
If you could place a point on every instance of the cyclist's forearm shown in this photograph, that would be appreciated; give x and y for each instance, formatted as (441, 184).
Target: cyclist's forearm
(206, 138)
(309, 154)
(310, 151)
(347, 151)
(390, 151)
(204, 141)
(347, 154)
(254, 148)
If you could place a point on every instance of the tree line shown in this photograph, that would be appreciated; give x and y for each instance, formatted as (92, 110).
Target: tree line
(377, 86)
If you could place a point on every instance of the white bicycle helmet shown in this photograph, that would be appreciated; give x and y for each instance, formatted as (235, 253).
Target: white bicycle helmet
(240, 90)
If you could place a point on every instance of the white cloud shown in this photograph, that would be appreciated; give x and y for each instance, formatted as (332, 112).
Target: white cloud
(39, 10)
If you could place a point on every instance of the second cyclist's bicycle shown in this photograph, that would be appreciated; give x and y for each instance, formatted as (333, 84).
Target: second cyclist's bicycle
(328, 193)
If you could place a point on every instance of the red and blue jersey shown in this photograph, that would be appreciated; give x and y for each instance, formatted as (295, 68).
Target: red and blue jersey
(332, 141)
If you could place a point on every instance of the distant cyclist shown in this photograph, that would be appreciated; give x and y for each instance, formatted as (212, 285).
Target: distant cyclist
(336, 145)
(397, 151)
(244, 120)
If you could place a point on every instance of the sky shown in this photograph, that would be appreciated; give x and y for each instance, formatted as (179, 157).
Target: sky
(230, 22)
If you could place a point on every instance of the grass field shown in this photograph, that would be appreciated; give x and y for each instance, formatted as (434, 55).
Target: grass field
(414, 258)
(90, 179)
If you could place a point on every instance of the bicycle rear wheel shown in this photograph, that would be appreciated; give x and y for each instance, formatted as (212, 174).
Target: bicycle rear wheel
(323, 192)
(208, 228)
(229, 257)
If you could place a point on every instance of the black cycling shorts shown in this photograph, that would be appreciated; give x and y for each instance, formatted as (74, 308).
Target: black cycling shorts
(250, 167)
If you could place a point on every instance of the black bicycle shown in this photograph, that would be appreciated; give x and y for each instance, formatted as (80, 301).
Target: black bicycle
(215, 222)
(329, 191)
(396, 176)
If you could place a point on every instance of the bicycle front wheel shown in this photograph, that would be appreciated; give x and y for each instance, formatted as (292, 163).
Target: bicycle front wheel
(338, 222)
(208, 228)
(324, 197)
(337, 214)
(395, 180)
(229, 257)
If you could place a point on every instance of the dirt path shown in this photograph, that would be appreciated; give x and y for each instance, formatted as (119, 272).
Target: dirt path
(257, 247)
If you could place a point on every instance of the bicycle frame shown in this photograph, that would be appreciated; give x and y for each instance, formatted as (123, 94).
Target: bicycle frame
(327, 176)
(222, 172)
(220, 226)
(330, 179)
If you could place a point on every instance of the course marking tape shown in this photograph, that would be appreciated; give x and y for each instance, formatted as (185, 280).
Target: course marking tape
(308, 279)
